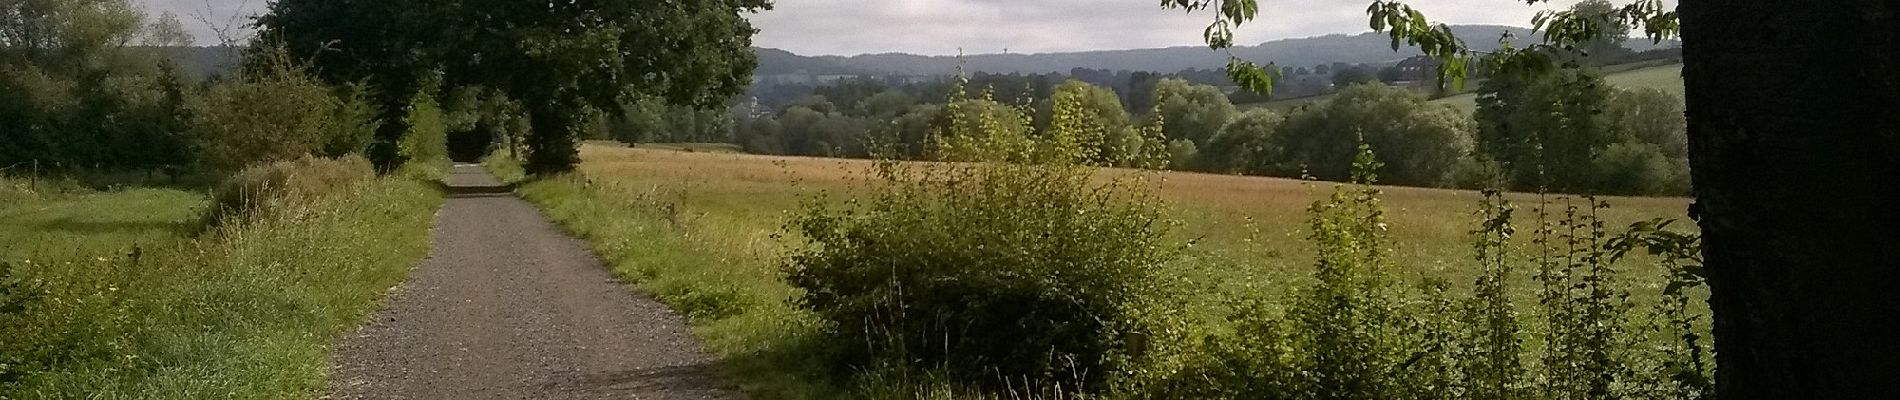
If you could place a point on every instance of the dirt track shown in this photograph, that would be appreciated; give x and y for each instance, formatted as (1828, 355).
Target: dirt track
(509, 307)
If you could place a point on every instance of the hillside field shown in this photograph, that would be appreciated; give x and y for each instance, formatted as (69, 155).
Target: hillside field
(1668, 78)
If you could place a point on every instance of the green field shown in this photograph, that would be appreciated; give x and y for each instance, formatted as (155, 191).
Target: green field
(116, 294)
(70, 227)
(703, 232)
(1665, 77)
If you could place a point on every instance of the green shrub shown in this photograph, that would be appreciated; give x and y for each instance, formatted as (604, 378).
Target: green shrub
(1639, 169)
(988, 272)
(1478, 173)
(353, 126)
(428, 138)
(283, 187)
(272, 118)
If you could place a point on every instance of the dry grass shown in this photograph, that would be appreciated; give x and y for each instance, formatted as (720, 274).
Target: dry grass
(692, 226)
(1248, 232)
(1226, 213)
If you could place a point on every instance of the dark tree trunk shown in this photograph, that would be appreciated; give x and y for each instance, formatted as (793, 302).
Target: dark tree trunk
(1794, 130)
(552, 147)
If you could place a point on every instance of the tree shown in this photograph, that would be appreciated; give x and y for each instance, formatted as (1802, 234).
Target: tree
(979, 129)
(1245, 145)
(1422, 142)
(1546, 128)
(1191, 112)
(166, 31)
(1348, 76)
(1391, 74)
(582, 54)
(641, 120)
(1607, 47)
(1651, 116)
(1636, 169)
(1141, 91)
(1100, 115)
(1794, 193)
(886, 104)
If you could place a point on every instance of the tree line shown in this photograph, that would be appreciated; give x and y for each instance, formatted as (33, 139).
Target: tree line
(1565, 131)
(387, 79)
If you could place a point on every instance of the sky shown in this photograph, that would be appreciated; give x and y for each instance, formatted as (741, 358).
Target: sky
(943, 27)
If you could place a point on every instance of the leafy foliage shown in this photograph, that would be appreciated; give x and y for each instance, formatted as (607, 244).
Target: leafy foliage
(277, 113)
(585, 54)
(1246, 144)
(1354, 332)
(1423, 142)
(1191, 112)
(77, 100)
(1568, 131)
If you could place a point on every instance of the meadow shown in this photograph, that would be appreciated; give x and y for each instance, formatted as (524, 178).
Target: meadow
(60, 226)
(126, 293)
(704, 232)
(1667, 78)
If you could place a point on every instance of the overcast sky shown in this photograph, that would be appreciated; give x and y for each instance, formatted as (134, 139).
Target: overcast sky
(937, 27)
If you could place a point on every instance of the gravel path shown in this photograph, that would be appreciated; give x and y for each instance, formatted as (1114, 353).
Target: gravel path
(509, 307)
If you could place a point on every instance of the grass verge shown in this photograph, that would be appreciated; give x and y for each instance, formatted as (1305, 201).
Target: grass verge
(243, 312)
(739, 306)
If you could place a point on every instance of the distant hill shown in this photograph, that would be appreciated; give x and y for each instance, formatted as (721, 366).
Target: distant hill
(1366, 47)
(1369, 47)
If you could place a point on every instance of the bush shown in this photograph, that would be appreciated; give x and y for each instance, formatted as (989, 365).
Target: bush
(1010, 271)
(354, 125)
(1479, 172)
(280, 115)
(283, 186)
(428, 137)
(1638, 169)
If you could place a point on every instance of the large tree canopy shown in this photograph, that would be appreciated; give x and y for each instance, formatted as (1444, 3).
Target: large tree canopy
(558, 58)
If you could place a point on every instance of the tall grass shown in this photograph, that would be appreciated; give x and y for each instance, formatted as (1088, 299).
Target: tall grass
(696, 227)
(722, 279)
(244, 311)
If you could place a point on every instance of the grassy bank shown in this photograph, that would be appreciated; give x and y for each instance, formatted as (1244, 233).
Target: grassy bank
(113, 300)
(723, 278)
(704, 233)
